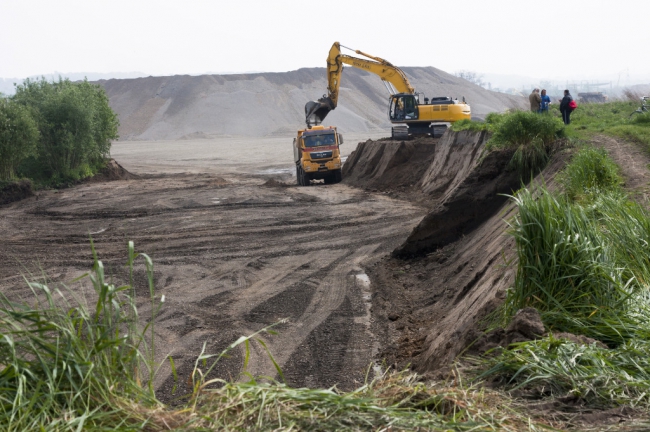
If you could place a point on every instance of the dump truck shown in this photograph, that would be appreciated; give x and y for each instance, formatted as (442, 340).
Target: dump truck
(316, 154)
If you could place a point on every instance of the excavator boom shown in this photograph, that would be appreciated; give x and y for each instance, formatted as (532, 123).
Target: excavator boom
(315, 112)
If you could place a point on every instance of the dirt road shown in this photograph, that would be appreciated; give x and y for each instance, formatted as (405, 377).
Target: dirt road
(233, 252)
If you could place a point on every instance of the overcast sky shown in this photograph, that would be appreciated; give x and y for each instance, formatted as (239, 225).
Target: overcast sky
(546, 39)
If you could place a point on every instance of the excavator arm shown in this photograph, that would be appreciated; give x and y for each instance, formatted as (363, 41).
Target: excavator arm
(392, 76)
(406, 112)
(384, 69)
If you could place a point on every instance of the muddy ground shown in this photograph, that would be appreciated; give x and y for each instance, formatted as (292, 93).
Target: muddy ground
(233, 252)
(399, 263)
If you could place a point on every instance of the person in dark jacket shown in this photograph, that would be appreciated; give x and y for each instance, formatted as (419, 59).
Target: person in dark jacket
(564, 107)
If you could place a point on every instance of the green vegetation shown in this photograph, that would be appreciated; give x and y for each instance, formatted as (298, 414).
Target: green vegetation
(468, 125)
(583, 262)
(68, 367)
(590, 174)
(530, 135)
(612, 118)
(584, 267)
(597, 376)
(75, 128)
(18, 137)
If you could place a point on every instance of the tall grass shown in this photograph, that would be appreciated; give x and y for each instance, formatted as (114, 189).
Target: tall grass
(590, 174)
(584, 263)
(65, 366)
(584, 268)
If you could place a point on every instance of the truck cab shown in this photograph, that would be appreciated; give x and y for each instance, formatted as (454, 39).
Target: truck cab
(317, 156)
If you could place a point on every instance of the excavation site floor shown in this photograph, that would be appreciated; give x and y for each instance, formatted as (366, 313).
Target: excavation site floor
(236, 246)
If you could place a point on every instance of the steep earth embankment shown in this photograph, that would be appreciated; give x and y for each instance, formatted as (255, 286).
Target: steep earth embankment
(266, 104)
(457, 263)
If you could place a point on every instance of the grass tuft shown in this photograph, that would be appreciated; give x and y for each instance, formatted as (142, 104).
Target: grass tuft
(597, 376)
(531, 135)
(468, 125)
(590, 173)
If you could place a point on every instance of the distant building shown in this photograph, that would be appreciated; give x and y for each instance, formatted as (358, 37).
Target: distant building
(592, 97)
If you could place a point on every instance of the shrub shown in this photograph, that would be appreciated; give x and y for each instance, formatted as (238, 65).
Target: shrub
(524, 128)
(529, 134)
(590, 173)
(76, 128)
(18, 137)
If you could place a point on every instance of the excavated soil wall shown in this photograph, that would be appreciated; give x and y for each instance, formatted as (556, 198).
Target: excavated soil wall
(454, 267)
(15, 191)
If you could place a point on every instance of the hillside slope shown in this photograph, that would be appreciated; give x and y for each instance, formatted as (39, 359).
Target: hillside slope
(267, 104)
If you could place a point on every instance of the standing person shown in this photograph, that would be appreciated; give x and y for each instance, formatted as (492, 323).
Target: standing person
(546, 101)
(564, 107)
(535, 100)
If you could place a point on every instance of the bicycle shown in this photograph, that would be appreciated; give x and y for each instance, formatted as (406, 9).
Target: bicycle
(644, 108)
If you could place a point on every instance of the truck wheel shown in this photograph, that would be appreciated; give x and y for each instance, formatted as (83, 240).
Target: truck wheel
(304, 178)
(298, 176)
(337, 177)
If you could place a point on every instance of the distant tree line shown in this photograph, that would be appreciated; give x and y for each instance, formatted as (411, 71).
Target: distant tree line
(55, 132)
(473, 77)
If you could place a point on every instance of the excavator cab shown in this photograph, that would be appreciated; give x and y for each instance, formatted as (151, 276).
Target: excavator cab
(403, 107)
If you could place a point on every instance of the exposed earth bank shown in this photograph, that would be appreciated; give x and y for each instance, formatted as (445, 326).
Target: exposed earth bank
(455, 265)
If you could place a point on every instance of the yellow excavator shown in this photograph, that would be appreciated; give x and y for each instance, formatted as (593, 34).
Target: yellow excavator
(410, 112)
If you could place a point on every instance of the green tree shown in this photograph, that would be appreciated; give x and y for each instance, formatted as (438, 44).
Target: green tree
(18, 137)
(76, 125)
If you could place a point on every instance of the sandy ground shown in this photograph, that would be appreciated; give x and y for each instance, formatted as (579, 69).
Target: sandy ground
(238, 155)
(231, 254)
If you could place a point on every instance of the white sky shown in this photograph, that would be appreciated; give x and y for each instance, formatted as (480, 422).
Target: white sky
(548, 39)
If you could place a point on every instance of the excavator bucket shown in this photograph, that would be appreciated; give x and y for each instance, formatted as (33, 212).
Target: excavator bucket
(316, 111)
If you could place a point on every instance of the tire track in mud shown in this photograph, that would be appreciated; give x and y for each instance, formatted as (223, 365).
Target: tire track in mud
(230, 259)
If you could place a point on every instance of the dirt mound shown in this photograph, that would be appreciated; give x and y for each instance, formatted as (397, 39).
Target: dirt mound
(387, 164)
(272, 104)
(112, 171)
(15, 191)
(444, 173)
(275, 183)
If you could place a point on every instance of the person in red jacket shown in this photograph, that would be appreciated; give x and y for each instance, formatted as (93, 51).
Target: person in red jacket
(564, 107)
